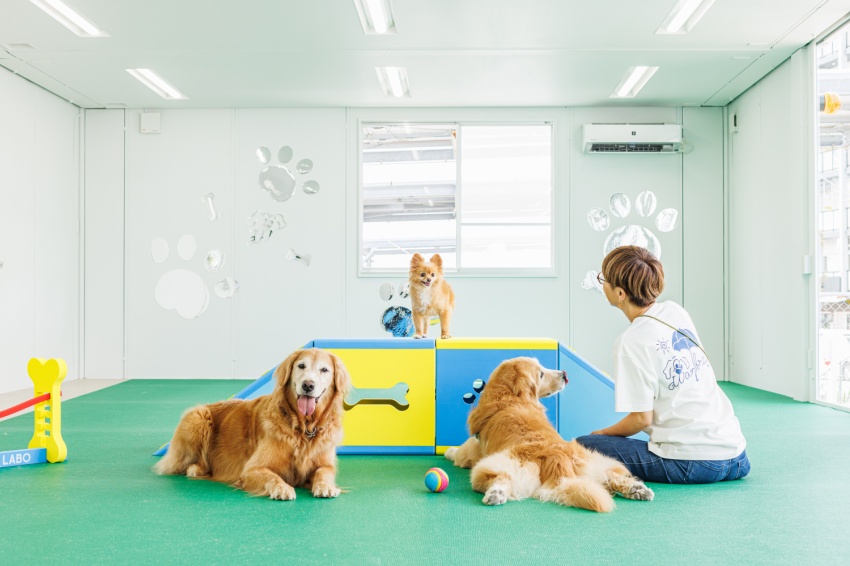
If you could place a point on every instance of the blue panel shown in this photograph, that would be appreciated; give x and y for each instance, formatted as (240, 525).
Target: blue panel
(380, 450)
(375, 343)
(587, 403)
(259, 387)
(458, 369)
(23, 457)
(262, 386)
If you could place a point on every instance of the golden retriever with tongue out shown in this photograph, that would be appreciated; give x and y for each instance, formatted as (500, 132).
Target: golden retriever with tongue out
(269, 445)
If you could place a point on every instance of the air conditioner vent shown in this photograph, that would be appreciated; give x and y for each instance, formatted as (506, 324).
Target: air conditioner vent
(632, 138)
(630, 148)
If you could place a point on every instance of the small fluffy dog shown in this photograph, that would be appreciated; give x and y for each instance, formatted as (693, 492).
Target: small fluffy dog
(271, 444)
(430, 295)
(515, 452)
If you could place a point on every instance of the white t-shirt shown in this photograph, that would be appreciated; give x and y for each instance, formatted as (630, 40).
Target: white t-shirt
(661, 370)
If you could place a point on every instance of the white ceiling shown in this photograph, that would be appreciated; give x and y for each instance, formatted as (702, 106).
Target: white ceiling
(313, 53)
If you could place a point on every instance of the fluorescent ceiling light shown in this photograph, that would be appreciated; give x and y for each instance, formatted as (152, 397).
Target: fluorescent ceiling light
(394, 81)
(684, 16)
(157, 84)
(376, 16)
(633, 81)
(66, 16)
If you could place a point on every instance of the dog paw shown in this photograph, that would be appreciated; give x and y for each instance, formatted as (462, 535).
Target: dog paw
(451, 453)
(282, 492)
(495, 496)
(640, 492)
(195, 471)
(325, 490)
(446, 336)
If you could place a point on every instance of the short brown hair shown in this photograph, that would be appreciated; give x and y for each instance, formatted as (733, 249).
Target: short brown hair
(636, 271)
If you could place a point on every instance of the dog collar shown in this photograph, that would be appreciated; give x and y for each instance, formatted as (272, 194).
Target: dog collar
(313, 432)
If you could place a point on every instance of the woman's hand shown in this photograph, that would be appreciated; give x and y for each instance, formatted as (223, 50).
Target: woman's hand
(628, 425)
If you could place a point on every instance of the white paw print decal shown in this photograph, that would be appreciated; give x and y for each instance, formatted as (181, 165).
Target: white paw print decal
(629, 234)
(182, 289)
(278, 180)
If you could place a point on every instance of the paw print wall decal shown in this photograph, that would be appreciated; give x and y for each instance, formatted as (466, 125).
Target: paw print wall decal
(278, 180)
(183, 290)
(628, 234)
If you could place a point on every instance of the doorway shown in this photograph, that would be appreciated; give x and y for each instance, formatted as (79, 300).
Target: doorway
(832, 169)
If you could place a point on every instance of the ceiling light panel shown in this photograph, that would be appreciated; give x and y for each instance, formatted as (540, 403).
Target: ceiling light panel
(376, 16)
(684, 16)
(633, 81)
(69, 18)
(157, 84)
(394, 81)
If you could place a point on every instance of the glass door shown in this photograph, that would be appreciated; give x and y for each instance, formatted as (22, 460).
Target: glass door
(832, 207)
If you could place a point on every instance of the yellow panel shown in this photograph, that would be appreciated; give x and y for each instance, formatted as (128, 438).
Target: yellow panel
(497, 344)
(442, 450)
(383, 424)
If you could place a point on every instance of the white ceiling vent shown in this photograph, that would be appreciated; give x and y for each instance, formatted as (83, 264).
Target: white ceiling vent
(632, 138)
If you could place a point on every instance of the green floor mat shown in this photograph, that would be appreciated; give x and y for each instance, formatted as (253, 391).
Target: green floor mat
(104, 505)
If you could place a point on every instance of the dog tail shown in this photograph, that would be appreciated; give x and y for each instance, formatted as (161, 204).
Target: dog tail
(578, 492)
(190, 444)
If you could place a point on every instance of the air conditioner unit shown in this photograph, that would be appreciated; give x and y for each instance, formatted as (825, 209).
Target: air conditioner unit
(632, 138)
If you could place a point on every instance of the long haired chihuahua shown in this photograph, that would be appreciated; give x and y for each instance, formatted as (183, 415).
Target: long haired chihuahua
(430, 295)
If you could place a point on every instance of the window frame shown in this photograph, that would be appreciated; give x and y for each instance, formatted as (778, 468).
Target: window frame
(435, 116)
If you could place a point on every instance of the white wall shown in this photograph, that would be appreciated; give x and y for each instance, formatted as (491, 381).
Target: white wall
(39, 230)
(703, 206)
(282, 303)
(769, 203)
(103, 242)
(593, 180)
(167, 176)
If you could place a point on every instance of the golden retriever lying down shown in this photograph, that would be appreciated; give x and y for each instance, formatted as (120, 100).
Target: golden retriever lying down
(271, 444)
(515, 453)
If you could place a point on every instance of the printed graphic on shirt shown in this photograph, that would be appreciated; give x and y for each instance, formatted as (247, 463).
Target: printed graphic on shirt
(686, 359)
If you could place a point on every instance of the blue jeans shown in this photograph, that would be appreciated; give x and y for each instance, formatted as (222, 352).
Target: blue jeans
(635, 455)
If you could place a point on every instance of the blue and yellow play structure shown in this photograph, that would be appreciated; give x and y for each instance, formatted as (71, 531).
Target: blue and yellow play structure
(413, 396)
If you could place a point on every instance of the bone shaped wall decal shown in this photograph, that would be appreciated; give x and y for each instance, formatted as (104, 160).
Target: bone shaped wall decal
(394, 395)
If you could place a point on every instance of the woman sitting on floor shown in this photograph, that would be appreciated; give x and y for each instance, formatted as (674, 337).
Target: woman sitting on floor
(664, 380)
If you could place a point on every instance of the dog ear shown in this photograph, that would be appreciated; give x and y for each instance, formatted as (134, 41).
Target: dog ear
(524, 382)
(417, 259)
(342, 381)
(284, 370)
(437, 260)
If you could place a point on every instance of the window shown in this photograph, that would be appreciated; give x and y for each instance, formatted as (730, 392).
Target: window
(480, 195)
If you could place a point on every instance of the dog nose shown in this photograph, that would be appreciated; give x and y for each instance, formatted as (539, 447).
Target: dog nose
(564, 376)
(308, 386)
